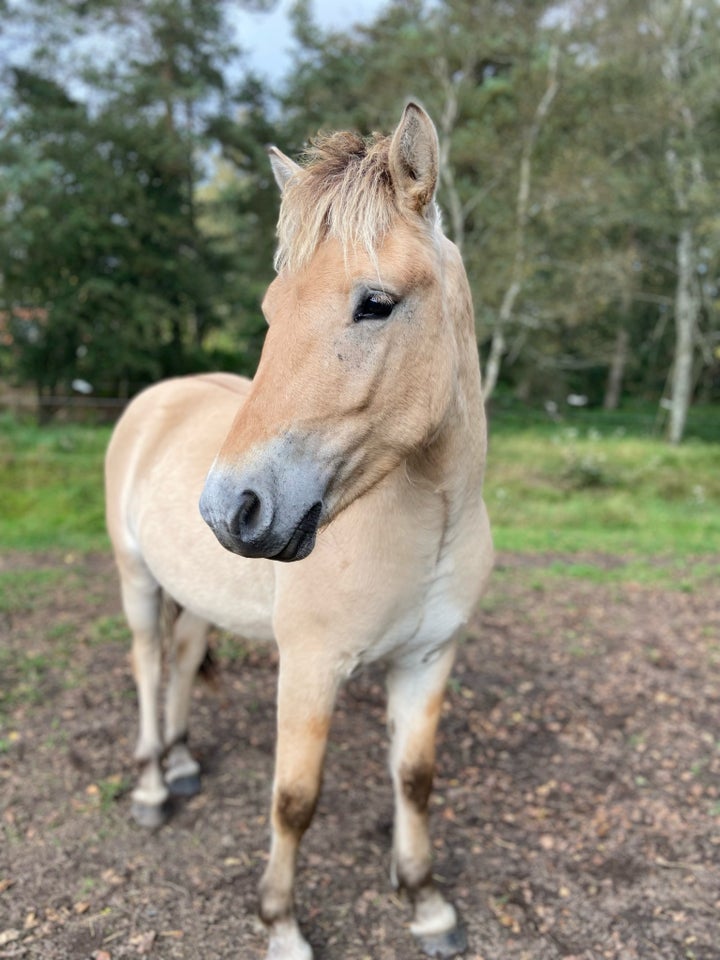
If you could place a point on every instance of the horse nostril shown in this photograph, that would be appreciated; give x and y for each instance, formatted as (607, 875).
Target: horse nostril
(251, 521)
(249, 509)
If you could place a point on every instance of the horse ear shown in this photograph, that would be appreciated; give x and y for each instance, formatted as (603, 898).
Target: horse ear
(283, 167)
(414, 158)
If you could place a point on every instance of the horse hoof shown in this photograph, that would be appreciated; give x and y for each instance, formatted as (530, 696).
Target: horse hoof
(186, 786)
(149, 815)
(451, 943)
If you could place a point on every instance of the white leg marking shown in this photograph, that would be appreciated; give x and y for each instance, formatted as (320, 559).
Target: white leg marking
(287, 943)
(180, 764)
(433, 915)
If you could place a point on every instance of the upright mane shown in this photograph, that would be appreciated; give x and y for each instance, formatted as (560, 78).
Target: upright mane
(344, 190)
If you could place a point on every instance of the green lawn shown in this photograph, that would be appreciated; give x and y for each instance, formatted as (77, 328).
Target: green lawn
(51, 486)
(573, 490)
(590, 485)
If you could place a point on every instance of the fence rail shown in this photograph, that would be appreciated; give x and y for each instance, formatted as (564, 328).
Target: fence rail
(69, 407)
(703, 422)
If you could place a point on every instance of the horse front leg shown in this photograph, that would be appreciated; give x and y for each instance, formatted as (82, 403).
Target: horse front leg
(306, 695)
(415, 697)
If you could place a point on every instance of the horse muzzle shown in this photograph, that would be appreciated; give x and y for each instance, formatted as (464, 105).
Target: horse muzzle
(273, 514)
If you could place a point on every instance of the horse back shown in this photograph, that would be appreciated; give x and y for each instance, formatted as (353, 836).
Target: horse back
(191, 412)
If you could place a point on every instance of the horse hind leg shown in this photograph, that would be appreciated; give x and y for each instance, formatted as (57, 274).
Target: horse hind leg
(141, 603)
(187, 650)
(415, 695)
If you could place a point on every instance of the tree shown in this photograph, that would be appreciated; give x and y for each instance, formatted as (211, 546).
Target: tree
(488, 90)
(105, 228)
(241, 206)
(555, 125)
(662, 56)
(497, 344)
(688, 45)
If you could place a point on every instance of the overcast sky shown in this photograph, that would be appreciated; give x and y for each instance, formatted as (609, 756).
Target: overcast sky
(267, 39)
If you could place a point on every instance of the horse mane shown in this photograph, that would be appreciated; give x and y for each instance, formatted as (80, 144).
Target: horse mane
(344, 191)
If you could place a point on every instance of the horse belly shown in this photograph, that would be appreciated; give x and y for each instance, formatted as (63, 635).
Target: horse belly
(241, 604)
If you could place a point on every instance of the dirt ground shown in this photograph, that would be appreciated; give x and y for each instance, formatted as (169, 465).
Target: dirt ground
(576, 813)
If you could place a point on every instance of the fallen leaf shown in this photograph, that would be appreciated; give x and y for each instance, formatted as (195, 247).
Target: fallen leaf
(143, 942)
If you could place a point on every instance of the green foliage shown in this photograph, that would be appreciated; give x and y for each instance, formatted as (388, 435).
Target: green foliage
(107, 273)
(596, 246)
(137, 209)
(110, 790)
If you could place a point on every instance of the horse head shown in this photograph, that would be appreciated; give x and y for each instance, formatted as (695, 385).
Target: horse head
(359, 367)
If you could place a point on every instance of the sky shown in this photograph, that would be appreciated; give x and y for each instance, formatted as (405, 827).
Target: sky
(267, 39)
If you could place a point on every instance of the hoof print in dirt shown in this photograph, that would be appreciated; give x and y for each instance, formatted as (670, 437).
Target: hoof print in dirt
(449, 944)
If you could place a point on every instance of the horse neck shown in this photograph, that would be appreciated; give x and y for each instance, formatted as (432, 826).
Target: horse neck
(454, 460)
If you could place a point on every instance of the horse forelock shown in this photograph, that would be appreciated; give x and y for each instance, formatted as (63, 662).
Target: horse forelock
(344, 191)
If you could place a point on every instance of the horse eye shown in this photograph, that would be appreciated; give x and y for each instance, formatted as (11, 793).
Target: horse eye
(375, 306)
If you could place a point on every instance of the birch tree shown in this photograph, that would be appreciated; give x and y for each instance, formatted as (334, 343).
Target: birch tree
(497, 344)
(679, 27)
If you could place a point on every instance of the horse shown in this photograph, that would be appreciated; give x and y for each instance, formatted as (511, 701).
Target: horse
(333, 504)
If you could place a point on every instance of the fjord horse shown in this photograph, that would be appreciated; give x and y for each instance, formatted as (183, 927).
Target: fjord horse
(358, 449)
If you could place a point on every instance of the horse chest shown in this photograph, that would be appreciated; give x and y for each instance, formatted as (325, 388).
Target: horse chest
(442, 612)
(428, 618)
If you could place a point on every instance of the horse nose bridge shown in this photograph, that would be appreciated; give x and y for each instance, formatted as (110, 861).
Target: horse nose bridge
(250, 431)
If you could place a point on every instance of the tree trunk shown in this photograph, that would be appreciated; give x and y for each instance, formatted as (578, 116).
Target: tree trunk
(448, 119)
(687, 307)
(685, 165)
(613, 387)
(497, 346)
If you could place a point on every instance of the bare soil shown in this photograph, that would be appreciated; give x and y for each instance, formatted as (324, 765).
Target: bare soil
(576, 813)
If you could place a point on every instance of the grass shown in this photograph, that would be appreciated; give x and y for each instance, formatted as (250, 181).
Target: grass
(592, 484)
(23, 678)
(51, 486)
(21, 590)
(108, 630)
(575, 490)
